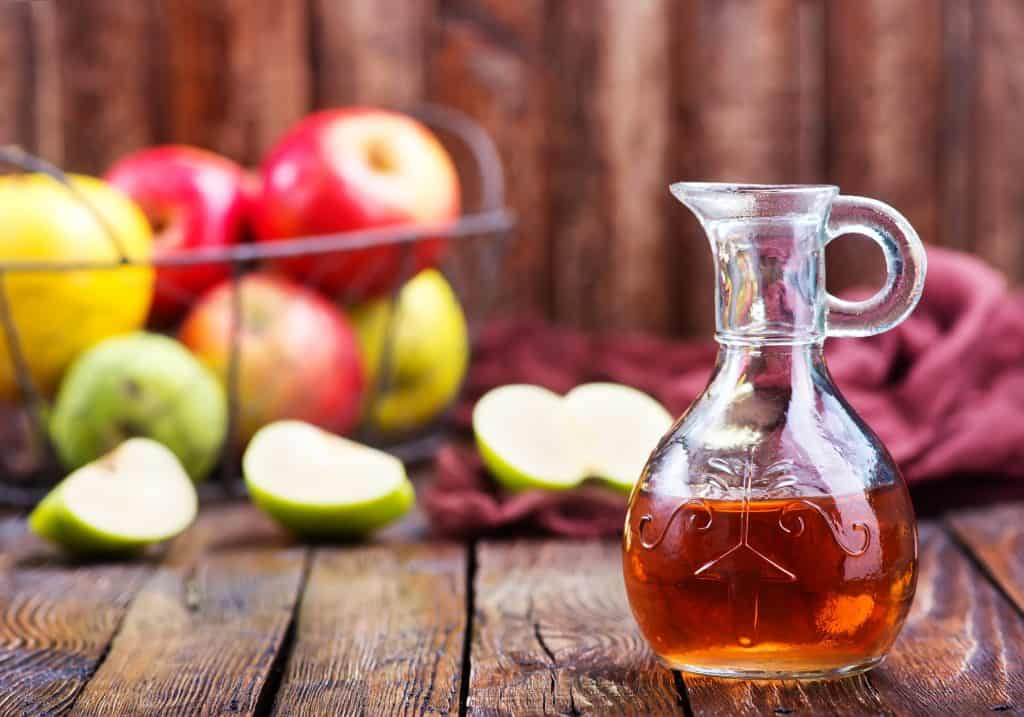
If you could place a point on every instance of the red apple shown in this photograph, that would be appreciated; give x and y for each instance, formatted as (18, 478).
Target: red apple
(193, 199)
(350, 169)
(298, 356)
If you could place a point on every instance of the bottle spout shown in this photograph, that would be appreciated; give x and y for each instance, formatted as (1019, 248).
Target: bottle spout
(715, 201)
(768, 243)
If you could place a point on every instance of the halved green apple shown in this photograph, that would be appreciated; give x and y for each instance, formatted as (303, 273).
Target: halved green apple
(320, 485)
(619, 427)
(526, 438)
(530, 437)
(135, 495)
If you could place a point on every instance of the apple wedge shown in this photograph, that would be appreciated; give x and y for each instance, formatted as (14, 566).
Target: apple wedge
(135, 495)
(619, 426)
(530, 437)
(319, 485)
(526, 438)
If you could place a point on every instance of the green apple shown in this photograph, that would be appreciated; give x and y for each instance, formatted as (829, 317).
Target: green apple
(135, 495)
(530, 437)
(619, 426)
(526, 438)
(145, 385)
(430, 352)
(320, 485)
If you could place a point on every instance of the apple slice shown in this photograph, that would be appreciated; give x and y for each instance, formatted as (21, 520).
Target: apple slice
(527, 439)
(135, 495)
(320, 485)
(619, 426)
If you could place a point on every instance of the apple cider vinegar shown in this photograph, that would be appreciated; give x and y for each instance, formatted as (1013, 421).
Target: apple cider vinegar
(770, 585)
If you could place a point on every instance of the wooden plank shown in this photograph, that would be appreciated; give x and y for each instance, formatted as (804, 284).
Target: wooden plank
(552, 634)
(29, 79)
(996, 538)
(380, 632)
(488, 62)
(751, 123)
(56, 620)
(854, 696)
(239, 73)
(959, 193)
(371, 52)
(609, 125)
(203, 631)
(55, 625)
(735, 125)
(960, 652)
(15, 121)
(104, 68)
(999, 163)
(691, 286)
(47, 98)
(962, 649)
(885, 109)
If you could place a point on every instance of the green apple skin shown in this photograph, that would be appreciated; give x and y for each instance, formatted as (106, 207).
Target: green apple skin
(327, 522)
(140, 384)
(513, 479)
(430, 352)
(52, 521)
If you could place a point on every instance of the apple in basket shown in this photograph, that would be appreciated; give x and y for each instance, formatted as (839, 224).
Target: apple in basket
(297, 355)
(351, 169)
(193, 199)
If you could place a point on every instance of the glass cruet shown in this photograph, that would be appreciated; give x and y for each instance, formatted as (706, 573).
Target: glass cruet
(770, 533)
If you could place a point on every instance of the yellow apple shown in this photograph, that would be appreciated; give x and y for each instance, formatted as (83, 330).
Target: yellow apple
(430, 352)
(59, 314)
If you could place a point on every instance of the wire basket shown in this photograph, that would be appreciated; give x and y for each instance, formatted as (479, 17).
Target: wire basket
(472, 264)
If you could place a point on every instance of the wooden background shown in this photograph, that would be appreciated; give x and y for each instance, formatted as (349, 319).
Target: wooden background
(596, 106)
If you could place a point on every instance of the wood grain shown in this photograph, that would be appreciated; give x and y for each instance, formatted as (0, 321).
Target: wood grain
(203, 631)
(371, 52)
(552, 635)
(962, 649)
(56, 620)
(15, 124)
(596, 105)
(996, 538)
(105, 82)
(55, 626)
(609, 109)
(961, 652)
(885, 109)
(738, 125)
(238, 74)
(999, 164)
(750, 121)
(47, 97)
(487, 61)
(851, 697)
(201, 641)
(380, 632)
(957, 205)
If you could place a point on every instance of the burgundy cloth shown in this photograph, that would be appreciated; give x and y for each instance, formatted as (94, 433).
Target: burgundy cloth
(944, 390)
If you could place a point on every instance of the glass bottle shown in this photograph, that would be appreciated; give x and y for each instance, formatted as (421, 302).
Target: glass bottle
(771, 534)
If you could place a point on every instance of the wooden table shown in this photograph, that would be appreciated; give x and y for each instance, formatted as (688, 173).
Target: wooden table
(234, 618)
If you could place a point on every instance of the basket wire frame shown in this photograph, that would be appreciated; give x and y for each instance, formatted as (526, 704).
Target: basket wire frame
(476, 246)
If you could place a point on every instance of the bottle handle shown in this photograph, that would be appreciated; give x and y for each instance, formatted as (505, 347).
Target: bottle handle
(905, 265)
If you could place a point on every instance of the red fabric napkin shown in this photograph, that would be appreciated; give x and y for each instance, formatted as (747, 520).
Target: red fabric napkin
(944, 390)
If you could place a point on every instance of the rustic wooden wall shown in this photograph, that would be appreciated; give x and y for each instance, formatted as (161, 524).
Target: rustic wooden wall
(596, 106)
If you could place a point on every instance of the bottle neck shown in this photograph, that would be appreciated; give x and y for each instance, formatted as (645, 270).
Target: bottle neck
(770, 278)
(786, 368)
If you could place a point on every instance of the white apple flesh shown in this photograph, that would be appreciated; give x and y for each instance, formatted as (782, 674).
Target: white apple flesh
(530, 437)
(321, 485)
(136, 495)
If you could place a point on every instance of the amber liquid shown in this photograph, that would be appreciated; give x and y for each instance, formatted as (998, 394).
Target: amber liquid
(811, 586)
